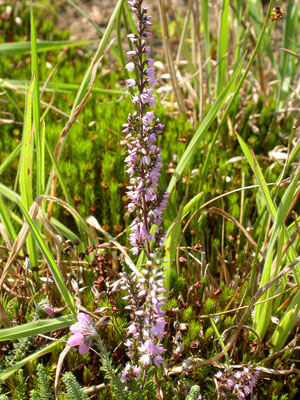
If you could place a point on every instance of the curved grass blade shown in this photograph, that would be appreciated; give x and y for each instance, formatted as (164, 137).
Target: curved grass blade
(7, 222)
(191, 204)
(236, 92)
(220, 340)
(101, 49)
(66, 295)
(67, 195)
(11, 370)
(202, 130)
(9, 194)
(67, 233)
(6, 163)
(81, 11)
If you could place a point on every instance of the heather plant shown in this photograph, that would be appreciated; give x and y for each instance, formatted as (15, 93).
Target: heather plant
(237, 384)
(182, 302)
(144, 164)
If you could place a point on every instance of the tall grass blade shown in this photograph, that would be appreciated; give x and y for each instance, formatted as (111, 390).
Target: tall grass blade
(285, 326)
(26, 170)
(18, 48)
(66, 295)
(222, 48)
(81, 11)
(263, 311)
(287, 66)
(9, 194)
(36, 106)
(205, 16)
(9, 159)
(101, 49)
(60, 87)
(7, 221)
(172, 243)
(202, 130)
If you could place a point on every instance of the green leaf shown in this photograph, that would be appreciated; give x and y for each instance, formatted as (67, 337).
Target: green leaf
(11, 370)
(14, 48)
(36, 107)
(7, 222)
(36, 327)
(26, 169)
(59, 87)
(222, 48)
(191, 204)
(9, 159)
(9, 194)
(59, 280)
(102, 46)
(171, 243)
(202, 130)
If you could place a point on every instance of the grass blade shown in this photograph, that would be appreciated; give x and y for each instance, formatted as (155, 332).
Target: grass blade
(6, 163)
(26, 170)
(66, 295)
(60, 87)
(101, 49)
(36, 327)
(220, 340)
(11, 370)
(80, 10)
(222, 48)
(202, 130)
(36, 106)
(7, 222)
(18, 48)
(205, 16)
(286, 69)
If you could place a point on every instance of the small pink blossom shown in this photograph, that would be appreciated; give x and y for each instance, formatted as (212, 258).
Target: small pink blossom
(83, 332)
(130, 66)
(131, 53)
(131, 82)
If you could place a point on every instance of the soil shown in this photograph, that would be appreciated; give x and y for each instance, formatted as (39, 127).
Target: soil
(99, 11)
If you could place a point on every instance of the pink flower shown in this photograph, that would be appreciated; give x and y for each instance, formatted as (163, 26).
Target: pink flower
(131, 82)
(131, 53)
(132, 38)
(83, 332)
(130, 66)
(148, 117)
(150, 72)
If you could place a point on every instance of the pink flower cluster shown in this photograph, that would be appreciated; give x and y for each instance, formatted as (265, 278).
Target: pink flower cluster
(144, 156)
(239, 384)
(145, 295)
(147, 328)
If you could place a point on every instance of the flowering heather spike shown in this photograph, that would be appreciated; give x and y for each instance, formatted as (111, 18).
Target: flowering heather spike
(144, 158)
(147, 328)
(145, 295)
